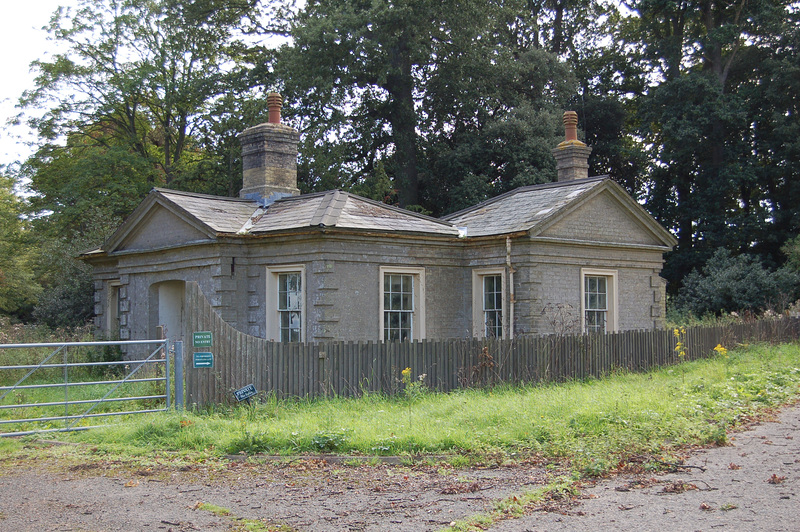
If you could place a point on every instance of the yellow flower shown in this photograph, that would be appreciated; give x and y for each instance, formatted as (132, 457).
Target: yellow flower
(721, 350)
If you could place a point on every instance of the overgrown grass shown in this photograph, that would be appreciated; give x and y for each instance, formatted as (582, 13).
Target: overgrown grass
(11, 401)
(589, 425)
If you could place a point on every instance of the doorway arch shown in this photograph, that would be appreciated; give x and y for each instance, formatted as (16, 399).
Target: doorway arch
(167, 309)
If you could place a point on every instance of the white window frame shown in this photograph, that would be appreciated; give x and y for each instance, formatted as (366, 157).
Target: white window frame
(478, 324)
(612, 321)
(273, 325)
(418, 314)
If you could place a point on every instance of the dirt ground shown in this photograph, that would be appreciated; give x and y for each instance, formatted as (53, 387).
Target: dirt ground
(749, 485)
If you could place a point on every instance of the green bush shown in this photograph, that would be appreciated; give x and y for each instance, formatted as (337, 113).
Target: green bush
(729, 283)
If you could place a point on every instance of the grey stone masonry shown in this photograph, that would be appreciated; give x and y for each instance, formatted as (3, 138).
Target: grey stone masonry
(572, 161)
(269, 160)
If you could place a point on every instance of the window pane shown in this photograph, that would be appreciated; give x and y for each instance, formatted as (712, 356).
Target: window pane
(398, 306)
(281, 300)
(405, 321)
(601, 284)
(290, 305)
(397, 283)
(596, 303)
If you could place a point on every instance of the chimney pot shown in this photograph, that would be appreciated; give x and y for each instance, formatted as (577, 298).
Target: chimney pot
(274, 104)
(572, 155)
(570, 125)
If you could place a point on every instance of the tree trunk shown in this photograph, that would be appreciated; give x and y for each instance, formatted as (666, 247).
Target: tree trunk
(403, 118)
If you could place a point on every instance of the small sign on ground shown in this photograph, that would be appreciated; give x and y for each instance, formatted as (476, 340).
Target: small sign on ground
(245, 393)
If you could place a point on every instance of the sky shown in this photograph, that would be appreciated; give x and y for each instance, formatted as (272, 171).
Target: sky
(21, 40)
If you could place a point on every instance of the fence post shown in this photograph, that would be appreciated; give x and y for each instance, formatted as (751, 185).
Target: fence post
(178, 375)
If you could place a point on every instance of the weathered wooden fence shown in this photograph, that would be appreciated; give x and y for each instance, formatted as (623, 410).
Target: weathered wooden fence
(353, 368)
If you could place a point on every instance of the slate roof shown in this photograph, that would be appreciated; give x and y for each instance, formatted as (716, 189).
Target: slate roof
(333, 208)
(220, 214)
(343, 210)
(521, 209)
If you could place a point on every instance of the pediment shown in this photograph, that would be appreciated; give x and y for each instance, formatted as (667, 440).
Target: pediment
(607, 217)
(160, 228)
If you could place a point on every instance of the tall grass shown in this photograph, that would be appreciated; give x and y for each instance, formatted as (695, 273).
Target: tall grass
(32, 356)
(591, 424)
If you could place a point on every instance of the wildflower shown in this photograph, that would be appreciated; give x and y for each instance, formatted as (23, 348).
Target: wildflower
(721, 350)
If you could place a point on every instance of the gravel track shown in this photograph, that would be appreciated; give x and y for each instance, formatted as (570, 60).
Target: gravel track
(749, 485)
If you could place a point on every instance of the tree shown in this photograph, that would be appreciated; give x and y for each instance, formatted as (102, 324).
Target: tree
(18, 289)
(709, 62)
(729, 283)
(93, 175)
(134, 102)
(435, 91)
(142, 71)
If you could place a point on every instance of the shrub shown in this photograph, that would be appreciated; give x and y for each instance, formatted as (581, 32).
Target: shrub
(736, 283)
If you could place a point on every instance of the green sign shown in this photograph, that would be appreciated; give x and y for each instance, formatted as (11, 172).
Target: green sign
(203, 360)
(202, 339)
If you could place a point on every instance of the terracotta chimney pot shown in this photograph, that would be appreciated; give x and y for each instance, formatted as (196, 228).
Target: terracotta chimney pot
(572, 155)
(274, 104)
(571, 125)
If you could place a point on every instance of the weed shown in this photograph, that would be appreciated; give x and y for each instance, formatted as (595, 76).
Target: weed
(329, 442)
(459, 460)
(219, 511)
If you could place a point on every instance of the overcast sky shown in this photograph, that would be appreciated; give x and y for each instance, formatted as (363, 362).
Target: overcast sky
(21, 40)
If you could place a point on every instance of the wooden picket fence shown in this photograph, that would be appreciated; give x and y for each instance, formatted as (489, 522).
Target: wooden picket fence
(355, 368)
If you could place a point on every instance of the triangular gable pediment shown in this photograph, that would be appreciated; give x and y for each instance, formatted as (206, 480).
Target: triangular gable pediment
(162, 228)
(606, 215)
(157, 223)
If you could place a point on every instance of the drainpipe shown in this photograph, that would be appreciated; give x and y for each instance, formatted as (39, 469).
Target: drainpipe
(510, 289)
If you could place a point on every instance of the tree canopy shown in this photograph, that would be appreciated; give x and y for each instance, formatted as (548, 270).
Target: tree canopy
(433, 105)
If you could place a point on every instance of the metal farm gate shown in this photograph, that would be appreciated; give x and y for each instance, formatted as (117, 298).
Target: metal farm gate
(56, 387)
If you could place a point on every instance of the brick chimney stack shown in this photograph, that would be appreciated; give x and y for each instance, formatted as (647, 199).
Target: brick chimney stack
(269, 156)
(572, 155)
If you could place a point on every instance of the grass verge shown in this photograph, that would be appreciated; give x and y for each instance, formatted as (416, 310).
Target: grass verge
(591, 426)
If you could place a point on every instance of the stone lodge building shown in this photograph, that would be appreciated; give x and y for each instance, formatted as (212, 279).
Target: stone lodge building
(578, 254)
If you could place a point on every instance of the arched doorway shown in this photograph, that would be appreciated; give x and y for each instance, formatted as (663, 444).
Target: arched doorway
(169, 306)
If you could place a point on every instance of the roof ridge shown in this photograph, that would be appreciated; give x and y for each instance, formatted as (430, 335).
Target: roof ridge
(327, 214)
(252, 220)
(168, 191)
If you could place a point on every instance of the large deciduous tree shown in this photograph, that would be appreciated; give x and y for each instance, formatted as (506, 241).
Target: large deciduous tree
(457, 101)
(711, 118)
(133, 98)
(144, 72)
(18, 289)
